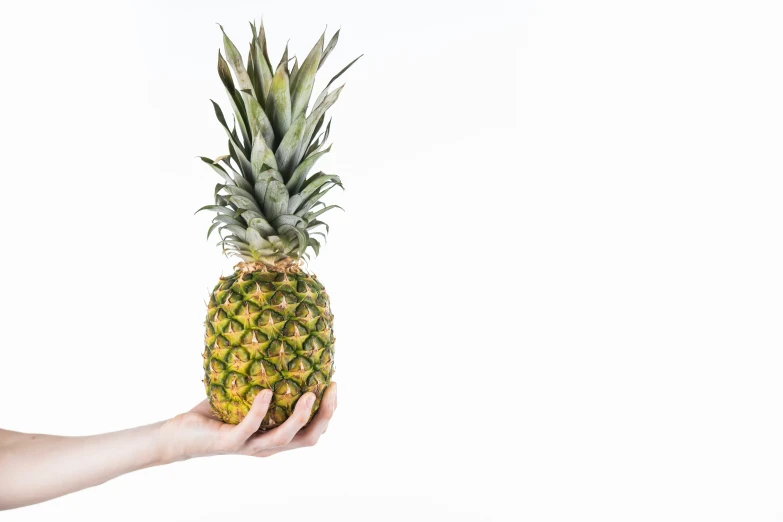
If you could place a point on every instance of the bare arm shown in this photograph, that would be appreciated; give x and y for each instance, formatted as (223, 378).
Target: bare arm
(34, 468)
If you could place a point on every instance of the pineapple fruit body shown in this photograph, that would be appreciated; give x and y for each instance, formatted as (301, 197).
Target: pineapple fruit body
(267, 329)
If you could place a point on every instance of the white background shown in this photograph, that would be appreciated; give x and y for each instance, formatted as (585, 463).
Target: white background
(558, 284)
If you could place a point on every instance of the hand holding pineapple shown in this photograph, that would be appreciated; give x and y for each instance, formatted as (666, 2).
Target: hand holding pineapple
(35, 468)
(199, 434)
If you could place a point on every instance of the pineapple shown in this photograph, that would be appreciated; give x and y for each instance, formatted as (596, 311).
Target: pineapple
(269, 324)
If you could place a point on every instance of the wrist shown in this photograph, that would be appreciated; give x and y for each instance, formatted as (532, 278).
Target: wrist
(170, 447)
(182, 437)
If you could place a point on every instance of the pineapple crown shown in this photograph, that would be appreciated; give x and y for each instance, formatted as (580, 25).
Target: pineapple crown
(267, 204)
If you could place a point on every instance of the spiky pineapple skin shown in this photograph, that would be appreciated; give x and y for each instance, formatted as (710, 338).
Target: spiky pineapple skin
(267, 329)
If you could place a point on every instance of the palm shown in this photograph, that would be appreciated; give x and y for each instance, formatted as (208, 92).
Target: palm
(202, 417)
(203, 413)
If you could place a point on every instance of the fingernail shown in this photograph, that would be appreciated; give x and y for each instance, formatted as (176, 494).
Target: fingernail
(266, 395)
(309, 401)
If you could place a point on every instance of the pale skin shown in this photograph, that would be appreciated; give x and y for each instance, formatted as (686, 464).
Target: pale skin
(35, 468)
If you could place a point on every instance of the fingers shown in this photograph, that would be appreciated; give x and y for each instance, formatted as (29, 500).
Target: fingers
(252, 420)
(325, 412)
(284, 433)
(310, 435)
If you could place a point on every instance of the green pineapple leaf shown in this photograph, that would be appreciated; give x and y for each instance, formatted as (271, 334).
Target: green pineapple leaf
(212, 229)
(300, 236)
(244, 203)
(315, 245)
(262, 182)
(262, 71)
(235, 59)
(237, 230)
(278, 104)
(317, 143)
(256, 241)
(235, 98)
(257, 221)
(302, 85)
(315, 182)
(262, 43)
(308, 203)
(267, 205)
(217, 168)
(261, 156)
(317, 113)
(226, 220)
(235, 146)
(300, 173)
(284, 60)
(275, 199)
(259, 122)
(216, 208)
(262, 225)
(343, 70)
(236, 191)
(317, 223)
(287, 151)
(329, 47)
(312, 215)
(289, 219)
(294, 72)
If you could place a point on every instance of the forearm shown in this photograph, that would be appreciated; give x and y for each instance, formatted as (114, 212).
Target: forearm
(34, 468)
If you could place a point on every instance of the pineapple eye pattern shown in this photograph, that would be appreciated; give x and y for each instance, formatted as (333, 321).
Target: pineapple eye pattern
(262, 345)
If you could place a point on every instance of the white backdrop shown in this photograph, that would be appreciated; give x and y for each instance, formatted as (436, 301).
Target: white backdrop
(557, 286)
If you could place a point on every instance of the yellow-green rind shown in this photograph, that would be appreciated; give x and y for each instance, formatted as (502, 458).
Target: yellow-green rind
(267, 329)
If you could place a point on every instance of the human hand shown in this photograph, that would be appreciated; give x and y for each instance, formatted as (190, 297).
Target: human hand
(198, 433)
